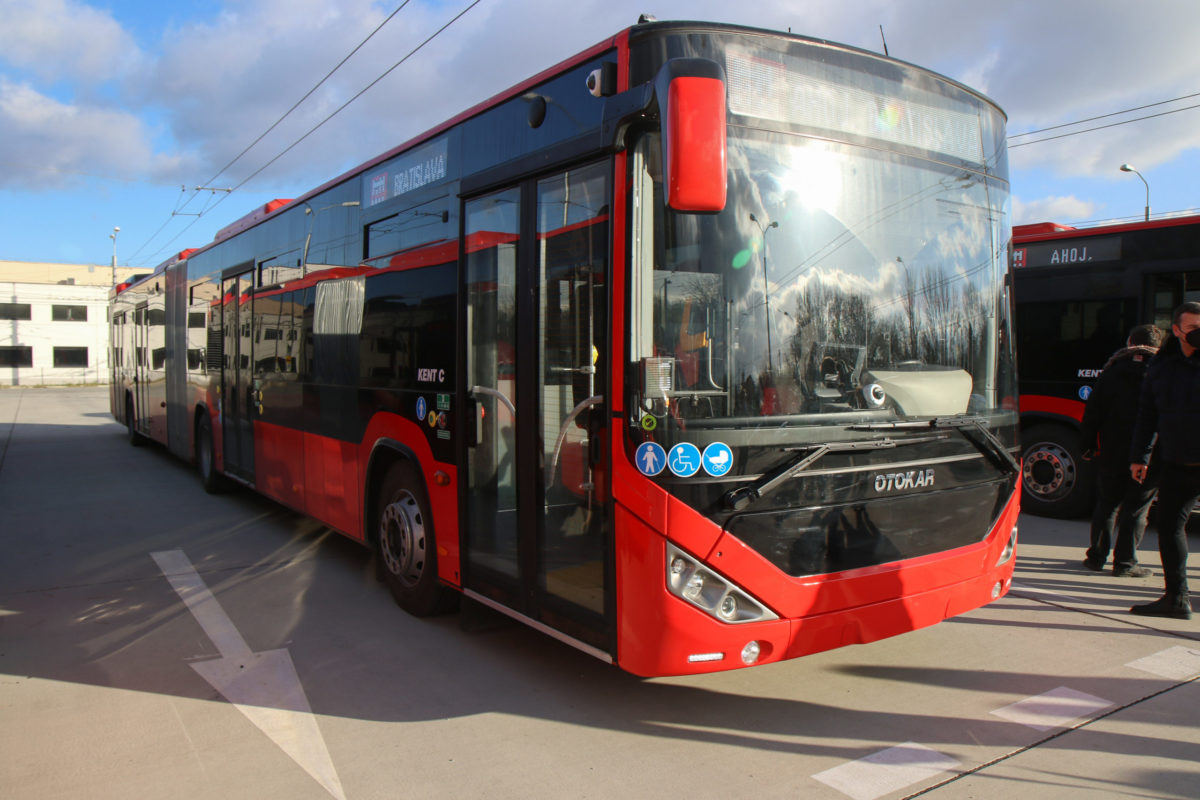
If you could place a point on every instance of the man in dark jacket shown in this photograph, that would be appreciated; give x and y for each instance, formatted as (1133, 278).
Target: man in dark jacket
(1170, 408)
(1107, 432)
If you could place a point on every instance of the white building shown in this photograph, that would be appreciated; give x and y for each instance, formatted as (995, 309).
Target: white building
(54, 322)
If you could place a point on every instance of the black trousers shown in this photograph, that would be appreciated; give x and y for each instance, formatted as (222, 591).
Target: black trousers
(1122, 505)
(1178, 491)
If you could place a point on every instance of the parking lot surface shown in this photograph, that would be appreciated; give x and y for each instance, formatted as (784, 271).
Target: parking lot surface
(159, 642)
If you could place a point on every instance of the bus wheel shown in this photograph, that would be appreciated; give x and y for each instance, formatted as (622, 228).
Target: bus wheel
(135, 438)
(1055, 481)
(405, 545)
(206, 462)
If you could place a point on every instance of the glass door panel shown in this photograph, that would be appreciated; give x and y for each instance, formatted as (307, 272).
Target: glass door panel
(573, 235)
(237, 401)
(492, 248)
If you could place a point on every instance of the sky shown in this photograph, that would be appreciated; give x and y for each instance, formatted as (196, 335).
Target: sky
(113, 113)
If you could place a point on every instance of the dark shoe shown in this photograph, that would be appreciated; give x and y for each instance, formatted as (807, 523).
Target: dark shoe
(1165, 606)
(1132, 572)
(1093, 566)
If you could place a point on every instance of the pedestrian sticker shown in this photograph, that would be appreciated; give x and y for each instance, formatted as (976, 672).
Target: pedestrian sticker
(1084, 393)
(650, 458)
(684, 460)
(421, 408)
(718, 459)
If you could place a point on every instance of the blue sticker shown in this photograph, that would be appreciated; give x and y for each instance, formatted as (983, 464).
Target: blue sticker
(1085, 392)
(718, 459)
(684, 460)
(421, 408)
(650, 458)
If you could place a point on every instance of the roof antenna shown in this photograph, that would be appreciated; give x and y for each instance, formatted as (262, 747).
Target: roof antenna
(881, 36)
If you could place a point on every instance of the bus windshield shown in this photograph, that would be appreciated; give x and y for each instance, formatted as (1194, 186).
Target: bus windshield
(839, 279)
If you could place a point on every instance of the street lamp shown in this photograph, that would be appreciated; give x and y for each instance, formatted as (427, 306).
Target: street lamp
(766, 288)
(113, 236)
(308, 211)
(1129, 168)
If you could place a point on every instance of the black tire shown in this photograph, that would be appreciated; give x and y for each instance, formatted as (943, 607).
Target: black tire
(1055, 481)
(206, 461)
(406, 545)
(135, 438)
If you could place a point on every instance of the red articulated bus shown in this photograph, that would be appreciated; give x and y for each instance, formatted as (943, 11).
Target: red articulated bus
(1079, 291)
(691, 351)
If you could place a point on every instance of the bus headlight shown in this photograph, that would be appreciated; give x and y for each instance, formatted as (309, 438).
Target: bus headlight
(1009, 548)
(710, 592)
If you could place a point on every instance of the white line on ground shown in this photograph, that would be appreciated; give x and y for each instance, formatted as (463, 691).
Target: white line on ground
(1057, 708)
(263, 686)
(887, 771)
(1176, 663)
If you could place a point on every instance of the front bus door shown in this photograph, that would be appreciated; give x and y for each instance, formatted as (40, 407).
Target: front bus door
(237, 401)
(538, 538)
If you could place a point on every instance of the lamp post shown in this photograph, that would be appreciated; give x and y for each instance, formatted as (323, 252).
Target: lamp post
(766, 287)
(1129, 168)
(308, 211)
(113, 236)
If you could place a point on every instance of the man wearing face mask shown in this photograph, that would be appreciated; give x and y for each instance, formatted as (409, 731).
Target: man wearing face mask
(1108, 420)
(1169, 410)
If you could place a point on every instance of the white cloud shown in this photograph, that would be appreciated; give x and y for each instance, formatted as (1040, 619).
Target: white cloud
(63, 39)
(215, 83)
(49, 143)
(1052, 209)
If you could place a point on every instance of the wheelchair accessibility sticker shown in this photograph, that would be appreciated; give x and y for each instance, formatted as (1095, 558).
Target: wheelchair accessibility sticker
(684, 460)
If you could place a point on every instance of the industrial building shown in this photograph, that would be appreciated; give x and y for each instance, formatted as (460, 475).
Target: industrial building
(54, 322)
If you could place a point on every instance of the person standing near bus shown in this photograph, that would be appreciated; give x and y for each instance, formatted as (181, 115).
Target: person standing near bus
(1106, 434)
(1169, 410)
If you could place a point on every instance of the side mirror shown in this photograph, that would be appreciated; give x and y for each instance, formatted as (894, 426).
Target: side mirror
(691, 101)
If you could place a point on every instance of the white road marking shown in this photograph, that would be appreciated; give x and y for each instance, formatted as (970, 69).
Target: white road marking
(263, 686)
(887, 771)
(1021, 588)
(1176, 663)
(1057, 708)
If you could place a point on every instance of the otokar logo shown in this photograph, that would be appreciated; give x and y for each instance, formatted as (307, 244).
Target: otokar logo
(901, 481)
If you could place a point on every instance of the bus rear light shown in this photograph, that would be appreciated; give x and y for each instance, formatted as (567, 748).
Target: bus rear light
(710, 592)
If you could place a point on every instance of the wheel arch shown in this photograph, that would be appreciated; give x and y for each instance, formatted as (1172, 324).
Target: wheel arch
(385, 453)
(198, 413)
(1063, 451)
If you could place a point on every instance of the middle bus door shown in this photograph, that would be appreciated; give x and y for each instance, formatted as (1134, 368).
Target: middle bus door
(238, 403)
(537, 538)
(141, 367)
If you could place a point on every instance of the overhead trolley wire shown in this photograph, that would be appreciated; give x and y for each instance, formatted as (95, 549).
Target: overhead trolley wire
(307, 95)
(273, 126)
(1104, 116)
(341, 108)
(1012, 144)
(1102, 127)
(361, 92)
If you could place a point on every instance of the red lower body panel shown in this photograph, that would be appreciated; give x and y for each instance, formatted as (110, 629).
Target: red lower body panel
(660, 634)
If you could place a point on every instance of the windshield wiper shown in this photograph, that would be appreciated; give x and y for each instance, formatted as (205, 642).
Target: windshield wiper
(973, 428)
(737, 499)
